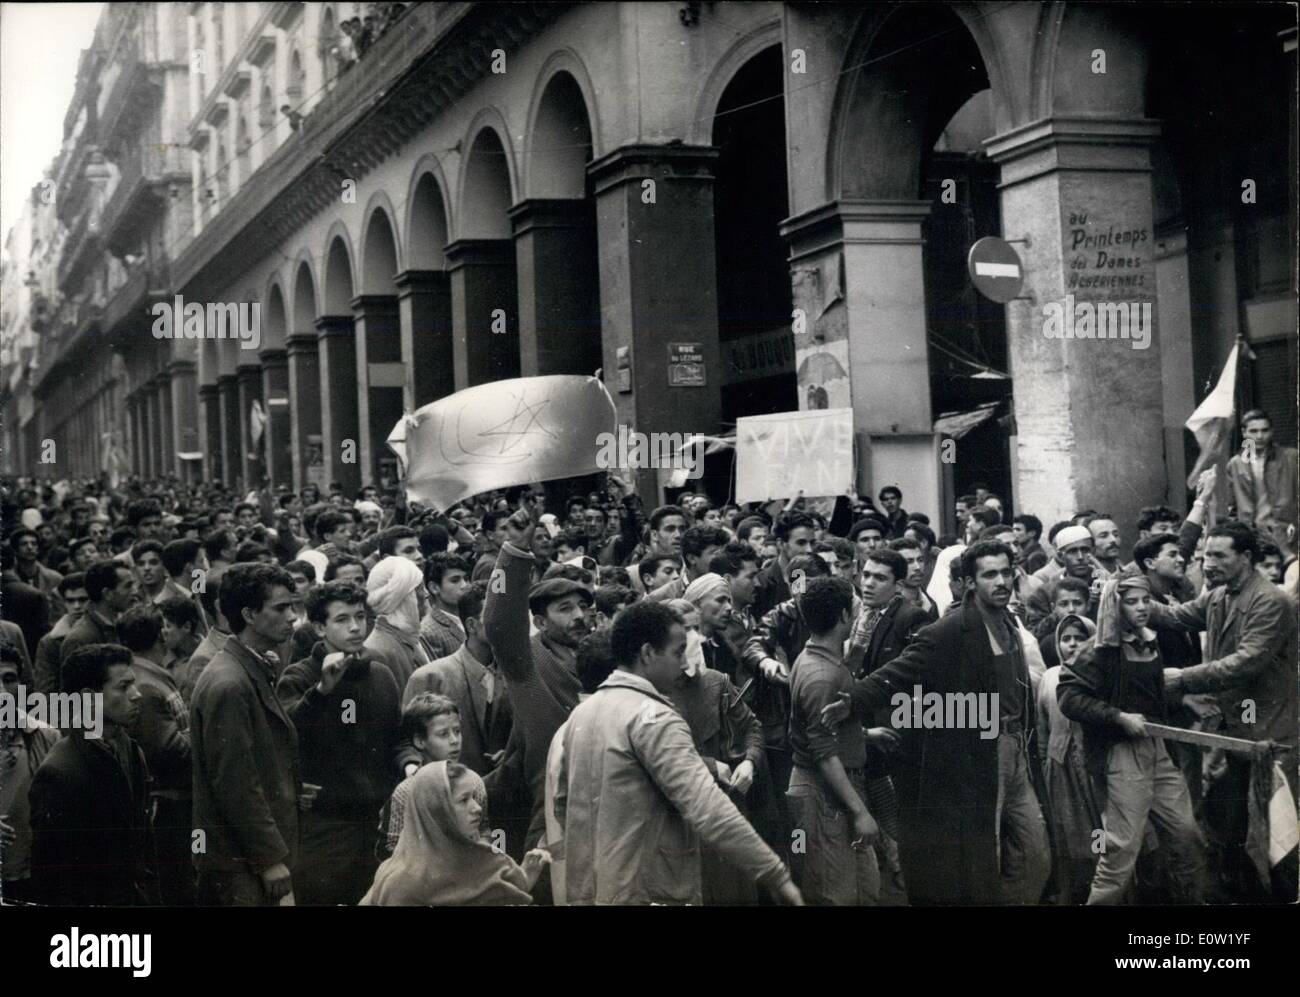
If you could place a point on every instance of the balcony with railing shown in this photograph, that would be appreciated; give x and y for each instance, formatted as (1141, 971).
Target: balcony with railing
(82, 247)
(145, 281)
(135, 90)
(147, 177)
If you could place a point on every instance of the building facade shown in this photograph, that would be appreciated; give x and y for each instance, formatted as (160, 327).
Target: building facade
(786, 192)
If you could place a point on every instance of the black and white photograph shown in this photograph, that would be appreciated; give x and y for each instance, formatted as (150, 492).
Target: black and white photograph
(724, 454)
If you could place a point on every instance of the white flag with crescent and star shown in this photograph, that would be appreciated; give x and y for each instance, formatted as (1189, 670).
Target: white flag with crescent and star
(515, 432)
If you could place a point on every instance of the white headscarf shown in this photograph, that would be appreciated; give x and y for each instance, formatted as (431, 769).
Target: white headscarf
(938, 589)
(391, 592)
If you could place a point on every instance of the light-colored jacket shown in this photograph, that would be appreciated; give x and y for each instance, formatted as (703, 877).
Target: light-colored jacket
(636, 800)
(1280, 470)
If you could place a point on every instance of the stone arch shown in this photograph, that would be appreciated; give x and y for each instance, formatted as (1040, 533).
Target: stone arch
(381, 254)
(487, 179)
(1074, 88)
(890, 106)
(552, 116)
(724, 71)
(305, 306)
(340, 272)
(275, 316)
(428, 216)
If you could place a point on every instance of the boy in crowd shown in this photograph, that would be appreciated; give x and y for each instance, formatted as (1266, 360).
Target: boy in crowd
(345, 708)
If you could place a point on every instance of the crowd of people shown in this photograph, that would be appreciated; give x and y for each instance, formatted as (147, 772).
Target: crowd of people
(359, 33)
(560, 697)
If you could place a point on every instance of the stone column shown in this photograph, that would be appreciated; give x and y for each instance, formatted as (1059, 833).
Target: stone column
(168, 460)
(483, 293)
(231, 464)
(857, 274)
(133, 432)
(210, 416)
(153, 444)
(658, 286)
(275, 394)
(305, 410)
(559, 286)
(424, 312)
(380, 377)
(337, 352)
(1088, 410)
(250, 388)
(1177, 383)
(185, 415)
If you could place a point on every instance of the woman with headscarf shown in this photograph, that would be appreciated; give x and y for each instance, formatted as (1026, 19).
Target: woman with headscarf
(1113, 687)
(441, 857)
(1072, 809)
(395, 591)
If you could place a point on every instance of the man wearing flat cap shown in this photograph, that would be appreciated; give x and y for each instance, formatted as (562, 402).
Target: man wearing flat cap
(539, 670)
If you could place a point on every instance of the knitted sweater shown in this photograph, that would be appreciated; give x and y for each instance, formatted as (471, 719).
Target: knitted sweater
(348, 739)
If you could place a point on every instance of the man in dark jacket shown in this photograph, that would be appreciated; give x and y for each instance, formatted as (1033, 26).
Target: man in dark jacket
(471, 679)
(795, 534)
(886, 625)
(1250, 670)
(162, 730)
(112, 588)
(245, 749)
(50, 649)
(888, 621)
(971, 830)
(346, 710)
(91, 840)
(23, 604)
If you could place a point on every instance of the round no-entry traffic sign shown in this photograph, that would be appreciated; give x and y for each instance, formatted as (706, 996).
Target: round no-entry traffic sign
(995, 269)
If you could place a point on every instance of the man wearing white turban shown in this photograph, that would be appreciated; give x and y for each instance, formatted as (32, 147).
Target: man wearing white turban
(395, 591)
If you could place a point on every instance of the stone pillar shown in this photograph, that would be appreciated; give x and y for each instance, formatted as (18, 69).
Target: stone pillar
(133, 432)
(559, 286)
(210, 416)
(337, 352)
(1088, 410)
(658, 286)
(483, 292)
(380, 378)
(868, 349)
(185, 415)
(228, 393)
(153, 445)
(424, 312)
(275, 395)
(1212, 286)
(305, 410)
(252, 466)
(1177, 348)
(168, 461)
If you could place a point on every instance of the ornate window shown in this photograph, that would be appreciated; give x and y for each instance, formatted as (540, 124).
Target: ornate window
(326, 48)
(266, 106)
(297, 80)
(222, 179)
(243, 143)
